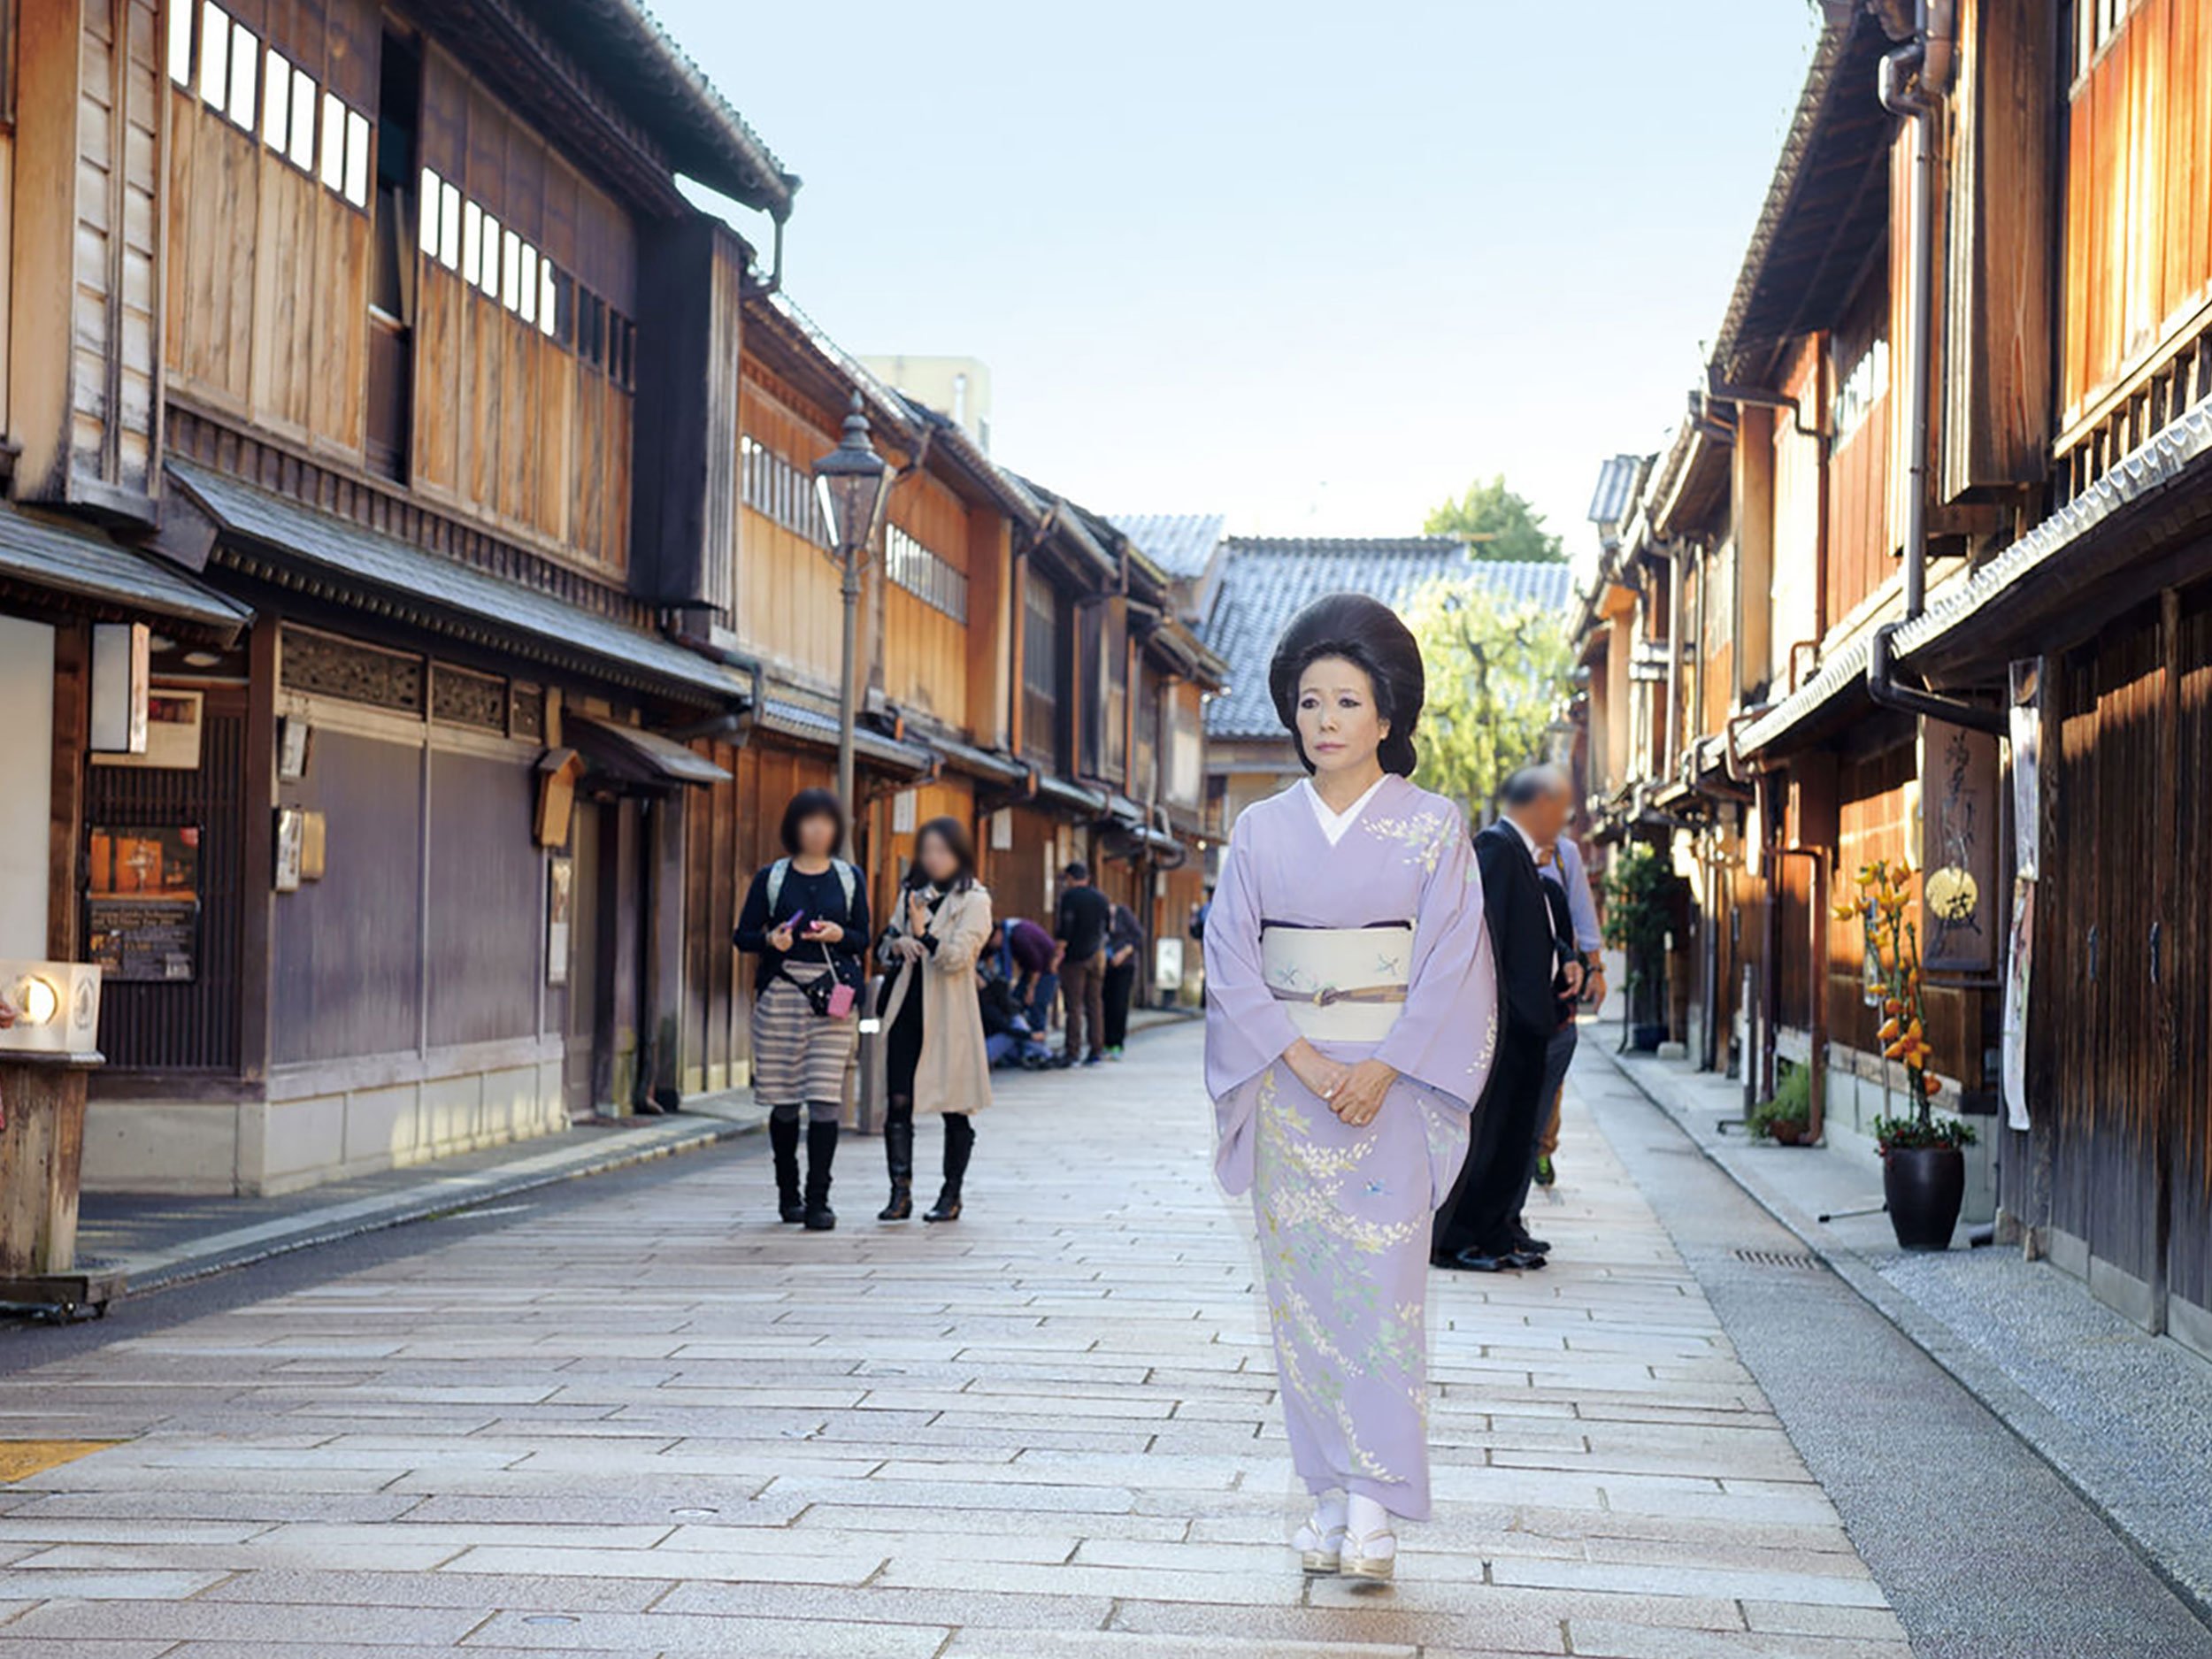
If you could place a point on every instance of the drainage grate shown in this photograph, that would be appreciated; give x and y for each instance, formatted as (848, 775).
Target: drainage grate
(1797, 1261)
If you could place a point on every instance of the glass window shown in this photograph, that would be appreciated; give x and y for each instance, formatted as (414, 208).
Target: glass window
(449, 227)
(333, 141)
(276, 101)
(488, 272)
(428, 233)
(214, 53)
(245, 59)
(180, 43)
(303, 150)
(511, 271)
(357, 158)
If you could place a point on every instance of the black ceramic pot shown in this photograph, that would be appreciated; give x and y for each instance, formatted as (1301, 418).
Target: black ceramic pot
(1924, 1186)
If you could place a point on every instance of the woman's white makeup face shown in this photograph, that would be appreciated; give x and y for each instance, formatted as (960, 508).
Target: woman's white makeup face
(936, 859)
(1338, 723)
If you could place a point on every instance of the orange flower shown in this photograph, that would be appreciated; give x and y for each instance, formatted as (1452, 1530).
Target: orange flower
(1929, 1085)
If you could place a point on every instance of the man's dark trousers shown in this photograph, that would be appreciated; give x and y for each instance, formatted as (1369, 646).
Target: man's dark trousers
(1083, 988)
(1479, 1214)
(1559, 1053)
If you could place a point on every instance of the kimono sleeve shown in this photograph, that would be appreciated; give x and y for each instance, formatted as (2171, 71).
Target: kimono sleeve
(1447, 1034)
(1247, 1028)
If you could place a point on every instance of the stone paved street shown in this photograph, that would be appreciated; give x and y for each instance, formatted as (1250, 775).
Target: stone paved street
(655, 1422)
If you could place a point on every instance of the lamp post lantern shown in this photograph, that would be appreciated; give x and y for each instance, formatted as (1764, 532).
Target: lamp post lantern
(851, 482)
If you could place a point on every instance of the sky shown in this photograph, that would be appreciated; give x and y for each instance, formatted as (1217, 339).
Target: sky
(1315, 266)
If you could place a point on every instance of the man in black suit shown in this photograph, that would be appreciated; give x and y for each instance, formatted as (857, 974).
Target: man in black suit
(1478, 1228)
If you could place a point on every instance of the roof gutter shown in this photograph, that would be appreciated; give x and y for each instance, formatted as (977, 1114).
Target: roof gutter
(1882, 687)
(736, 723)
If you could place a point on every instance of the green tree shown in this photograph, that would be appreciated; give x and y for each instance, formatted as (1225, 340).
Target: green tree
(1496, 672)
(1497, 524)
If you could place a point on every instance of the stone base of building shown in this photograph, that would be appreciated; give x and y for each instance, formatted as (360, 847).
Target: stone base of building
(316, 1124)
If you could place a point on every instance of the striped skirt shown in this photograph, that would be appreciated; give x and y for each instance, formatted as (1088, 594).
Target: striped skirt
(797, 1054)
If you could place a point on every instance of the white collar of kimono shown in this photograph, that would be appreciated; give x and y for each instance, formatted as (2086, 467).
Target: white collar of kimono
(1334, 824)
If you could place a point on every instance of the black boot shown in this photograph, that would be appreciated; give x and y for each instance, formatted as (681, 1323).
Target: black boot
(959, 1143)
(783, 1143)
(898, 1156)
(821, 1150)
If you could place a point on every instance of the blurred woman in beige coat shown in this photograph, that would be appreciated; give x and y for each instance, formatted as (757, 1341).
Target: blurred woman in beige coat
(932, 1054)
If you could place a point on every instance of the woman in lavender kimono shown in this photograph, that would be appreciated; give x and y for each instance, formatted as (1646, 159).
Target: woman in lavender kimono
(1351, 1017)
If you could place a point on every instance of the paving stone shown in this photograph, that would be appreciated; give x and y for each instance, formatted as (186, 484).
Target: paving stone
(664, 1424)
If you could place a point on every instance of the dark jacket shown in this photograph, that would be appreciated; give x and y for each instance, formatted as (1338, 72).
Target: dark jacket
(1086, 917)
(1523, 934)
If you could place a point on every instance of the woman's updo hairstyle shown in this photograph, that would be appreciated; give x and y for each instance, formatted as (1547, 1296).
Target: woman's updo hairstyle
(1367, 633)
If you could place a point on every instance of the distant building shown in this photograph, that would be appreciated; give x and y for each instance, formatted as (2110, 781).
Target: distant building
(959, 386)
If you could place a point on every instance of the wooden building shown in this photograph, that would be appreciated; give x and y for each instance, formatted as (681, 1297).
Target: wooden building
(352, 338)
(1923, 598)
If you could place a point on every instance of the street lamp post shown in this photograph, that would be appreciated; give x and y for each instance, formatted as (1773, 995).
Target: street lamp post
(851, 482)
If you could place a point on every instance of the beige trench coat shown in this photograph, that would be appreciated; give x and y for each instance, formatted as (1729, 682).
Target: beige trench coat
(954, 1073)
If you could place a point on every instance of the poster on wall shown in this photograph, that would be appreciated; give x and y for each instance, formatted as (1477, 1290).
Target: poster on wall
(1958, 849)
(143, 902)
(560, 892)
(2019, 960)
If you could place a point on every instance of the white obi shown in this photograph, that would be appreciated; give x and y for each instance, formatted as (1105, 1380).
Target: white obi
(1338, 984)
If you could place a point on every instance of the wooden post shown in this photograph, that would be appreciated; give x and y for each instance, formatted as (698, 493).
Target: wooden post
(41, 1154)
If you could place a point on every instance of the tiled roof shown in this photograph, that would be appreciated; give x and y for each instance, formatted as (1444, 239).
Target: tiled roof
(68, 559)
(408, 581)
(1615, 488)
(1266, 581)
(1181, 543)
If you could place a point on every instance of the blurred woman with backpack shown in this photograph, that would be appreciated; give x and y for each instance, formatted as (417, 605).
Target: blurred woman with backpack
(806, 918)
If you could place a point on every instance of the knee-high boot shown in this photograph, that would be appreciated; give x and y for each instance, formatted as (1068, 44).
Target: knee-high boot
(898, 1157)
(783, 1146)
(959, 1144)
(821, 1149)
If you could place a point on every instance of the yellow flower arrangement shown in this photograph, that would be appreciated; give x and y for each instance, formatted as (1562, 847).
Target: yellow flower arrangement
(1883, 907)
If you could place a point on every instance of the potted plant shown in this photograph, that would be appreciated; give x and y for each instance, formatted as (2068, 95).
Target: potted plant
(1639, 909)
(1787, 1118)
(1923, 1168)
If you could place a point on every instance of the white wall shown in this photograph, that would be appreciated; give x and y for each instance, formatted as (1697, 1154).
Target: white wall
(27, 765)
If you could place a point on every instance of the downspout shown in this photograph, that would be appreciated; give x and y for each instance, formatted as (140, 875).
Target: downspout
(773, 281)
(739, 724)
(1912, 82)
(1674, 654)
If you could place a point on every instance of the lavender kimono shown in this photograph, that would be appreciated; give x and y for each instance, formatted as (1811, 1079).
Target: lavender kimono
(1345, 1213)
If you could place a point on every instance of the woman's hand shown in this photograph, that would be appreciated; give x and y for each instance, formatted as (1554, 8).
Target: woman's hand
(1361, 1097)
(824, 932)
(908, 949)
(917, 914)
(779, 939)
(1324, 1076)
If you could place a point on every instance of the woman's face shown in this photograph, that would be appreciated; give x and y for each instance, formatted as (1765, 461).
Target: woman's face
(936, 859)
(817, 835)
(1338, 724)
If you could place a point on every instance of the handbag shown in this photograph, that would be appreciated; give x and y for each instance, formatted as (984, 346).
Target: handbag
(829, 995)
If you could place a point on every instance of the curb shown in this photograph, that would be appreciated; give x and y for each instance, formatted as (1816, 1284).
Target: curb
(2059, 1444)
(404, 1212)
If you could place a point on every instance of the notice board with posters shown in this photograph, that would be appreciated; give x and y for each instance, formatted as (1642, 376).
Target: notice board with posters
(143, 902)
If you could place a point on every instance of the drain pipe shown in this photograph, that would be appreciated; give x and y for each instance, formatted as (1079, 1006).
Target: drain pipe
(737, 725)
(1912, 82)
(1882, 688)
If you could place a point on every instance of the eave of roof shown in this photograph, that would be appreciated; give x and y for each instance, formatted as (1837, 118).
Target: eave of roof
(2046, 571)
(282, 540)
(1827, 203)
(84, 567)
(627, 48)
